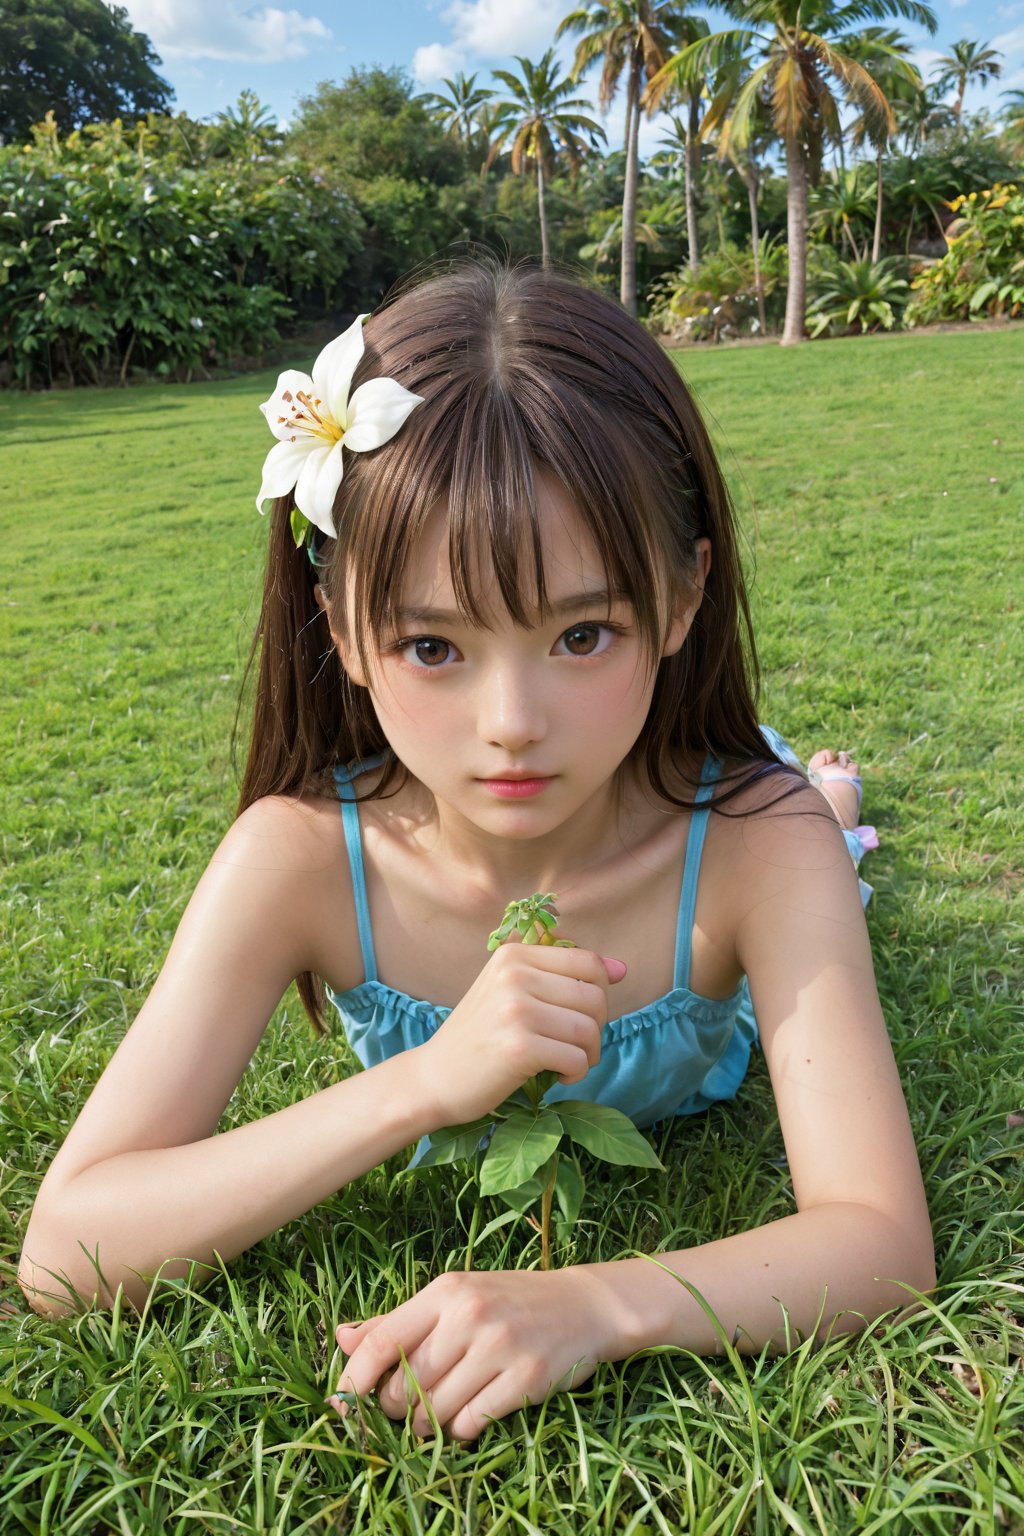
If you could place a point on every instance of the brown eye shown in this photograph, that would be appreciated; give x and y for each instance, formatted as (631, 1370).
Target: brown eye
(583, 639)
(430, 652)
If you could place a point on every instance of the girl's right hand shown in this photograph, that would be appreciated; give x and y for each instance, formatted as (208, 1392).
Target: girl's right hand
(533, 1008)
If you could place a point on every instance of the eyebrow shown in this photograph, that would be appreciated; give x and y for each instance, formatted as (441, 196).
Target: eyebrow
(450, 618)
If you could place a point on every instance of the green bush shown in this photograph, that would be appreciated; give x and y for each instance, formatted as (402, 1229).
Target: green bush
(848, 297)
(982, 273)
(721, 294)
(110, 259)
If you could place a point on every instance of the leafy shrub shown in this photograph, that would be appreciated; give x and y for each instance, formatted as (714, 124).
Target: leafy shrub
(721, 295)
(846, 295)
(982, 273)
(920, 187)
(110, 260)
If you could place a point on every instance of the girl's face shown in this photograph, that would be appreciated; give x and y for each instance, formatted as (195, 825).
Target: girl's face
(516, 728)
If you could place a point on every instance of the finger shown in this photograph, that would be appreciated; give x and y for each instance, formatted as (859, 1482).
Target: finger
(378, 1351)
(348, 1335)
(572, 1058)
(449, 1397)
(505, 1393)
(411, 1382)
(575, 995)
(579, 963)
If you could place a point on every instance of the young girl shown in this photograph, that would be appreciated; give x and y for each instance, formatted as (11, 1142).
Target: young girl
(512, 640)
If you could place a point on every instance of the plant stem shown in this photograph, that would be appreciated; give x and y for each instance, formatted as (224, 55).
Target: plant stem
(545, 1215)
(474, 1224)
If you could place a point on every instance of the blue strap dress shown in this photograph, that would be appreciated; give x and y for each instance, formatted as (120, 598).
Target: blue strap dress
(677, 1055)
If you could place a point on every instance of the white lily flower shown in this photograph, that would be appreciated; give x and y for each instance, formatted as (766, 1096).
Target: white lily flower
(313, 418)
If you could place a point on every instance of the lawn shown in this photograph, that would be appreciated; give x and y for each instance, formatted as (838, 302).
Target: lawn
(880, 483)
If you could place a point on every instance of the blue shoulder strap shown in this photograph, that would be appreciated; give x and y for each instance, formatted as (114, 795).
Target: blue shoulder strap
(691, 869)
(353, 842)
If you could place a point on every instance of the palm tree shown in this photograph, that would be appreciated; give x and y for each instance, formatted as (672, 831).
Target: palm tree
(691, 93)
(968, 61)
(460, 111)
(675, 149)
(799, 67)
(884, 54)
(536, 115)
(921, 116)
(717, 126)
(635, 37)
(1013, 114)
(246, 130)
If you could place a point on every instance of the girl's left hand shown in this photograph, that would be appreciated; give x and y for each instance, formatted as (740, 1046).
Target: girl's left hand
(479, 1343)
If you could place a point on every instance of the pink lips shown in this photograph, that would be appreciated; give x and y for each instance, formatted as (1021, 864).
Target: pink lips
(515, 789)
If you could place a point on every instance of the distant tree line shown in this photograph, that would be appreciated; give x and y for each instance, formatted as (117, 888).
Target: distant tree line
(809, 182)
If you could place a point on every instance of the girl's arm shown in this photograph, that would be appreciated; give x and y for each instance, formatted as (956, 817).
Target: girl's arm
(861, 1233)
(478, 1344)
(142, 1175)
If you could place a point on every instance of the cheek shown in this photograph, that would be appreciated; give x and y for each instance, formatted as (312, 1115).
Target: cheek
(620, 695)
(410, 711)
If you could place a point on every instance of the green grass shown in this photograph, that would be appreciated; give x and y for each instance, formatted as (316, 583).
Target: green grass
(881, 485)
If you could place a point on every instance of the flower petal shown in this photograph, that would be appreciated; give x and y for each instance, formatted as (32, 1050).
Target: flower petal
(318, 486)
(333, 369)
(276, 409)
(281, 469)
(376, 411)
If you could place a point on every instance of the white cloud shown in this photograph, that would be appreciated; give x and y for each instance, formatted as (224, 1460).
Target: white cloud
(437, 61)
(956, 5)
(1010, 43)
(194, 29)
(498, 28)
(925, 59)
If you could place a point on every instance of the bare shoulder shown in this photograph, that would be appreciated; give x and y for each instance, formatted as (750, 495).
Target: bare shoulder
(285, 861)
(777, 865)
(288, 833)
(776, 824)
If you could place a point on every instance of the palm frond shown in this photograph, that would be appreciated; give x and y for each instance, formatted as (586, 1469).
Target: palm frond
(858, 83)
(857, 11)
(791, 99)
(697, 60)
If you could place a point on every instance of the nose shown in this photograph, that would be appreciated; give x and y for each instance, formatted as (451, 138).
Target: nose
(511, 713)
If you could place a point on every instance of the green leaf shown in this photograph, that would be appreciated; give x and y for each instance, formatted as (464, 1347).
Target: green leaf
(522, 1196)
(456, 1144)
(569, 1189)
(606, 1133)
(982, 293)
(518, 1147)
(300, 525)
(30, 1408)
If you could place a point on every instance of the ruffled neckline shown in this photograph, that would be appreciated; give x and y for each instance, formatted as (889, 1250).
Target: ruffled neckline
(433, 1015)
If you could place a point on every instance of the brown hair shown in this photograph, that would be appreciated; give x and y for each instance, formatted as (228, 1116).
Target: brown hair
(517, 367)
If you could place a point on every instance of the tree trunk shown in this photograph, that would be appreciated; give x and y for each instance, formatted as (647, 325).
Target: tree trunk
(876, 245)
(691, 160)
(627, 282)
(796, 238)
(750, 177)
(545, 255)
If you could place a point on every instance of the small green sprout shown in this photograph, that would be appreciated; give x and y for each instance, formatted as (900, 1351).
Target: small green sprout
(535, 920)
(526, 1158)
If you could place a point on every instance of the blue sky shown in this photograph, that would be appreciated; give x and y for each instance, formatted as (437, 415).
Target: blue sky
(210, 51)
